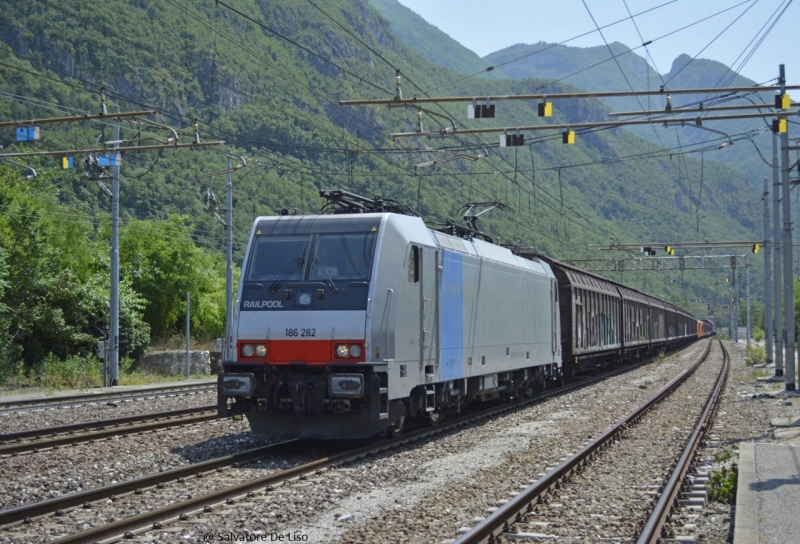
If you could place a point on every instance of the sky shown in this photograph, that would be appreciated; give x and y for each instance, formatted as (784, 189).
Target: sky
(485, 27)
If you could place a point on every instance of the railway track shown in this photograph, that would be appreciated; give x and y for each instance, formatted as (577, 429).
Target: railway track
(182, 510)
(36, 440)
(114, 492)
(568, 488)
(50, 403)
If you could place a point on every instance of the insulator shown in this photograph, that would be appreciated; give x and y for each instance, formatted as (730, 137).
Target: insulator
(398, 93)
(103, 110)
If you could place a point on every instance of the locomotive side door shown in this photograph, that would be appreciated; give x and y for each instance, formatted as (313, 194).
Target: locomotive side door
(554, 340)
(429, 318)
(408, 327)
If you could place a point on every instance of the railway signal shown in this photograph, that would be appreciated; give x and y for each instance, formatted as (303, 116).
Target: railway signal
(480, 111)
(512, 140)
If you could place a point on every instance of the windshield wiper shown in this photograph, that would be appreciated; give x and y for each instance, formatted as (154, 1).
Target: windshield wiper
(325, 273)
(293, 266)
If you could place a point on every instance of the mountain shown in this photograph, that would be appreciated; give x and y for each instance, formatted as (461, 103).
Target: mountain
(590, 68)
(594, 69)
(267, 77)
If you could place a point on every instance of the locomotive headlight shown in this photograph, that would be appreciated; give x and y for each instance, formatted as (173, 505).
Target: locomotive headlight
(355, 351)
(261, 350)
(304, 299)
(342, 351)
(248, 350)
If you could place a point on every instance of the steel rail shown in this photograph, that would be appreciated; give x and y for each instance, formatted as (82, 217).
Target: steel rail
(85, 498)
(32, 404)
(655, 523)
(74, 440)
(100, 424)
(205, 503)
(497, 523)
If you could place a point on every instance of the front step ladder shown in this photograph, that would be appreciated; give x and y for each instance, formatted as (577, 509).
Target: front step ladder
(384, 401)
(430, 397)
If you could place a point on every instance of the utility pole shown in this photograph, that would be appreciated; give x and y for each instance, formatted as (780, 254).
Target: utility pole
(188, 333)
(776, 246)
(767, 277)
(229, 270)
(730, 320)
(747, 294)
(735, 305)
(115, 257)
(788, 272)
(211, 206)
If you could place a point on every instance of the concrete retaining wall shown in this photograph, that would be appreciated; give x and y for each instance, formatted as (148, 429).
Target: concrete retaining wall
(173, 363)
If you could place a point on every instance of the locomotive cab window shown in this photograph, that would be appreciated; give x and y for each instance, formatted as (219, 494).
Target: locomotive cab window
(316, 257)
(343, 256)
(277, 257)
(413, 265)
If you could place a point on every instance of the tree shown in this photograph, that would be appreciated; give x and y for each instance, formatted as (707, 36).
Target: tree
(54, 298)
(134, 332)
(51, 254)
(7, 355)
(756, 314)
(162, 263)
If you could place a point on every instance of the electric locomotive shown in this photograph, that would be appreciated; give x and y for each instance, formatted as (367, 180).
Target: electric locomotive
(348, 324)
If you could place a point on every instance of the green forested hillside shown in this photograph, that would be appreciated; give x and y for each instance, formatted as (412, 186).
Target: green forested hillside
(266, 77)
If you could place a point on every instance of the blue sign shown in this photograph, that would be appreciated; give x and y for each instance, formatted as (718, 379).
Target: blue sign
(107, 160)
(27, 134)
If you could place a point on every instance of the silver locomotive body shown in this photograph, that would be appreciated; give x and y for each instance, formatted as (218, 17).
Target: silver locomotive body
(346, 325)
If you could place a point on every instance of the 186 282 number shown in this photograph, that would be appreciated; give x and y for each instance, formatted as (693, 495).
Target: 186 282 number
(302, 333)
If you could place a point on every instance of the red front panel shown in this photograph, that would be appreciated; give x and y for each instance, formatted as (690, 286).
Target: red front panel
(313, 352)
(307, 351)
